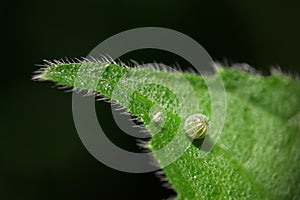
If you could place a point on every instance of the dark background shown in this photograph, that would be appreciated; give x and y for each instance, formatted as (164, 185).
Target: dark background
(41, 155)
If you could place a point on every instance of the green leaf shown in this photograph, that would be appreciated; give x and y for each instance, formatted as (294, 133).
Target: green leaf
(257, 155)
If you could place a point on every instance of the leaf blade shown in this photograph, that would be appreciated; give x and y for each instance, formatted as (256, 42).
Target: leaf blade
(257, 134)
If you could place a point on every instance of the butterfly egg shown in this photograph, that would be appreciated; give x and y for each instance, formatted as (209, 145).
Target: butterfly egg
(196, 126)
(157, 119)
(157, 116)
